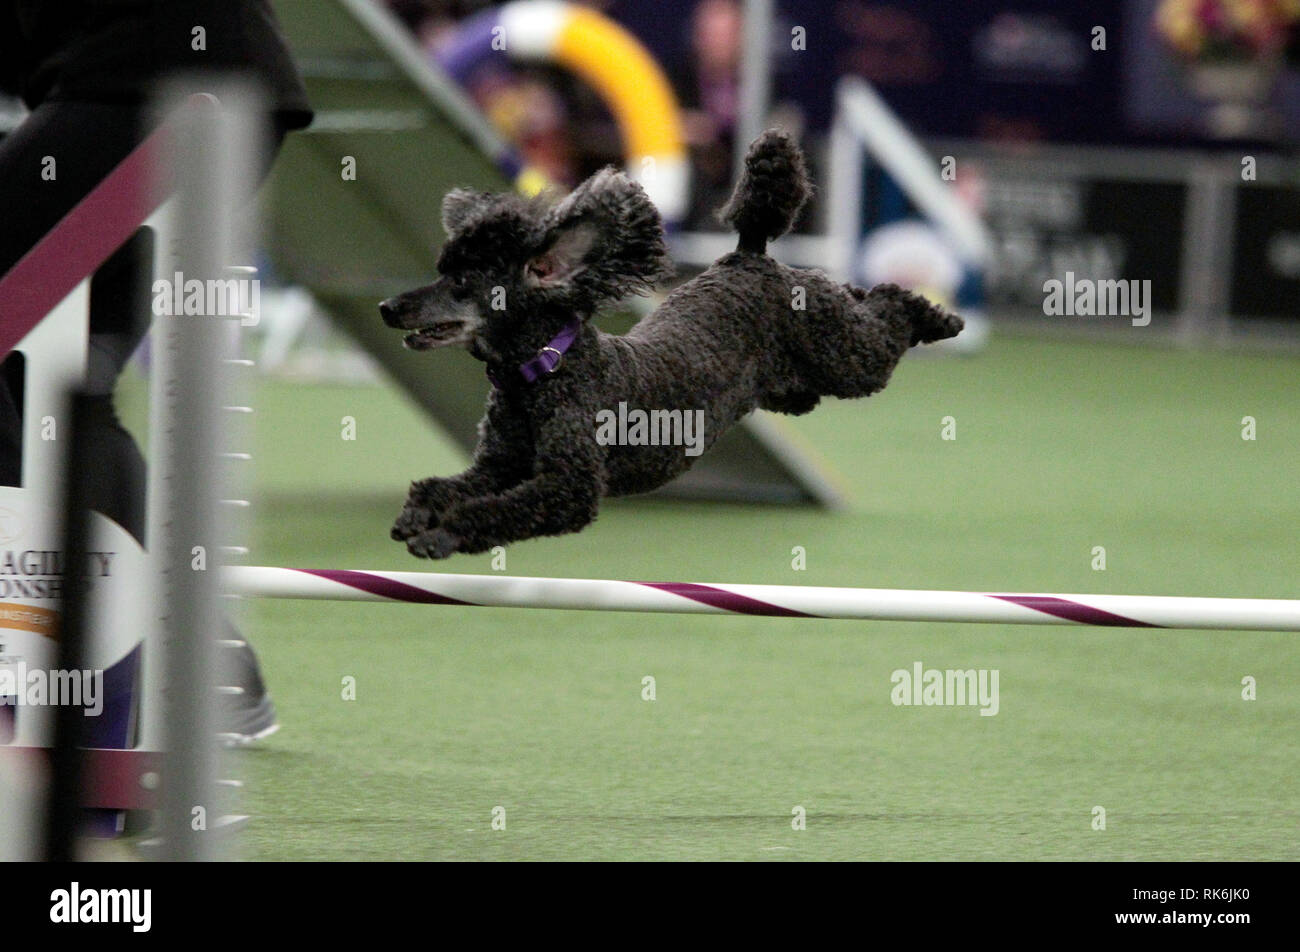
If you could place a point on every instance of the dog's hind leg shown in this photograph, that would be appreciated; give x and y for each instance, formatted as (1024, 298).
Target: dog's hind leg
(856, 351)
(929, 322)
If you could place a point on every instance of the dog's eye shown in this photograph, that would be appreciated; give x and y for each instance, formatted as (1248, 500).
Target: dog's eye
(461, 289)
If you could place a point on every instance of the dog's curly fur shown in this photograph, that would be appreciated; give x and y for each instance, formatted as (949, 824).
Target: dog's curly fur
(729, 341)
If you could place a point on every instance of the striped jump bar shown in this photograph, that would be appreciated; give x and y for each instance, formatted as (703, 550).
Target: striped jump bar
(782, 601)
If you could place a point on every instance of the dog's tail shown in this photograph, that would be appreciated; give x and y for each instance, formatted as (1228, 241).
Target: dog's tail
(770, 193)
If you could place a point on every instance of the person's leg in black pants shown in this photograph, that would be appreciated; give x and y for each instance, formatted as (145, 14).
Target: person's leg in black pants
(84, 141)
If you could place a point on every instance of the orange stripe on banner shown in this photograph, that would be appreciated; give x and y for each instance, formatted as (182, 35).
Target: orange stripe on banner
(43, 621)
(628, 78)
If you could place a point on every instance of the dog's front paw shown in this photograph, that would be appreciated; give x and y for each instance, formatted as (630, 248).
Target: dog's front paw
(434, 493)
(412, 520)
(435, 543)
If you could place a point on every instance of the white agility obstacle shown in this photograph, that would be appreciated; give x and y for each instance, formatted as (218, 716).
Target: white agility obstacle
(788, 601)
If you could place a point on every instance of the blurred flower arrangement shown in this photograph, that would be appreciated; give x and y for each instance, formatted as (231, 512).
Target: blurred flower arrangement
(1227, 30)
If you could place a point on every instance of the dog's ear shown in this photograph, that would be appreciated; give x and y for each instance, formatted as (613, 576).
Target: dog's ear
(603, 241)
(459, 206)
(565, 257)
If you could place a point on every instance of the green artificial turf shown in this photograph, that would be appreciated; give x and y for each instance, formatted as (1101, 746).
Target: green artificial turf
(1060, 447)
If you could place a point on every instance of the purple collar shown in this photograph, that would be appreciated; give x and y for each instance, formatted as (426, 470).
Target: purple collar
(548, 359)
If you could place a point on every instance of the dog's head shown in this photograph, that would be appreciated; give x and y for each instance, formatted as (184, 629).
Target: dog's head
(514, 270)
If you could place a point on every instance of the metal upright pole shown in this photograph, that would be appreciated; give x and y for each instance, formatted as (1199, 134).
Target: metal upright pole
(212, 144)
(63, 816)
(755, 76)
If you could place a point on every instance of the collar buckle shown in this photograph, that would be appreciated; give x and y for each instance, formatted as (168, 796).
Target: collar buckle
(559, 358)
(547, 360)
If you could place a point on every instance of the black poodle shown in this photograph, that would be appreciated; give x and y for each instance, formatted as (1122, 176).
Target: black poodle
(520, 282)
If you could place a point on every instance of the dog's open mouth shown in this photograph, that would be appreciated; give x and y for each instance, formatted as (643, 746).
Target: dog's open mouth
(435, 335)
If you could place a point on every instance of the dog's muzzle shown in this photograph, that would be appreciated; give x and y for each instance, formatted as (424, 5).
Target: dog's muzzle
(391, 313)
(439, 333)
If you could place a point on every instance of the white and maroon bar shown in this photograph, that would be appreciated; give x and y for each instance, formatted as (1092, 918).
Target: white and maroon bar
(788, 601)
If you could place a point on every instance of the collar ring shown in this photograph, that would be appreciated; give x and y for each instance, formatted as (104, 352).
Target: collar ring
(559, 358)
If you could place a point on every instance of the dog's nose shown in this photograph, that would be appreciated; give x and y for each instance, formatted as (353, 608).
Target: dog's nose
(388, 311)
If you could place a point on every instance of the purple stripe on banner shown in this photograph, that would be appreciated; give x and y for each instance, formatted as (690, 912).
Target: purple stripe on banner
(471, 45)
(509, 165)
(95, 228)
(387, 587)
(1074, 611)
(721, 598)
(470, 48)
(112, 728)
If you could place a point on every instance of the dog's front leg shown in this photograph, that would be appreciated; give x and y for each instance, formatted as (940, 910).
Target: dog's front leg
(562, 497)
(429, 498)
(552, 503)
(501, 459)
